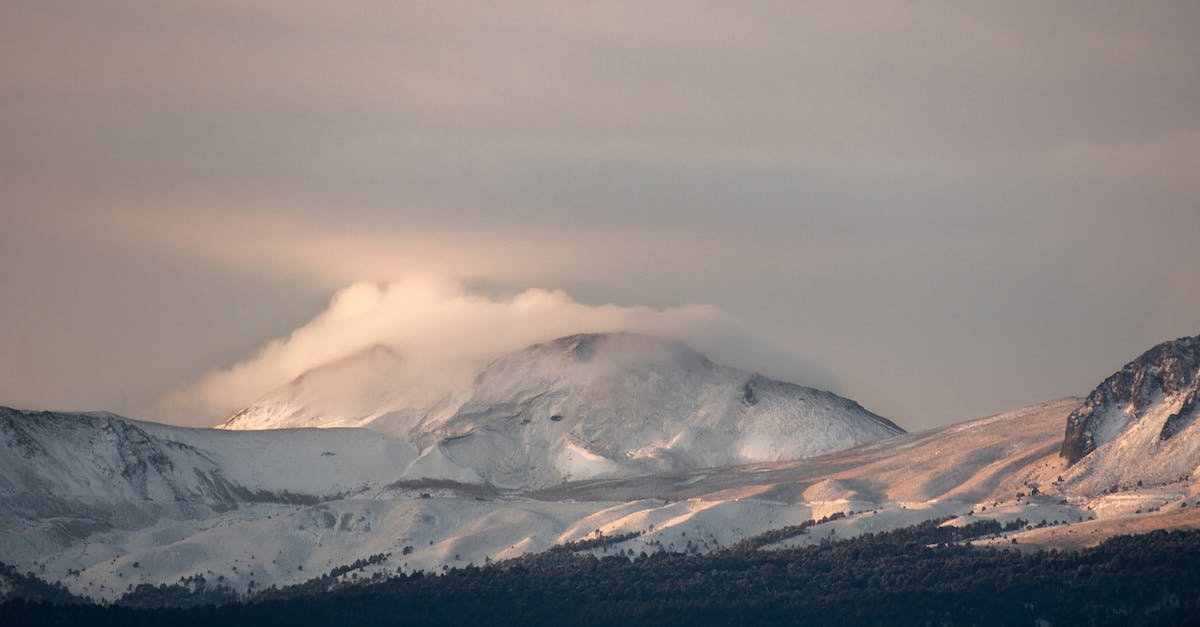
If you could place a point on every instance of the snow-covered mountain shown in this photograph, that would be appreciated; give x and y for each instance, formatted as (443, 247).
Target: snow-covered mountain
(1139, 426)
(583, 406)
(348, 392)
(103, 503)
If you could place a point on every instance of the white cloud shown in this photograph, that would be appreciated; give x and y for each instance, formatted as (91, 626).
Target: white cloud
(444, 333)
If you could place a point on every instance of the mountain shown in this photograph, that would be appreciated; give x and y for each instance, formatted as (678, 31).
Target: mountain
(102, 503)
(618, 404)
(616, 443)
(347, 392)
(1139, 426)
(109, 468)
(582, 406)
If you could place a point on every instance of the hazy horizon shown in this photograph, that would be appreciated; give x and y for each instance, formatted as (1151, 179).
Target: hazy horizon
(940, 211)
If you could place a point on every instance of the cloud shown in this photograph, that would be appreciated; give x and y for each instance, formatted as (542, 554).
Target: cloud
(444, 333)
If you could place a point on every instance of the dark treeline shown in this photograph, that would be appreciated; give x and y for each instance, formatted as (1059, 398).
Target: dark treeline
(918, 575)
(29, 586)
(597, 542)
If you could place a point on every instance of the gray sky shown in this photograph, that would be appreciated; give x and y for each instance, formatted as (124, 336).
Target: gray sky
(941, 210)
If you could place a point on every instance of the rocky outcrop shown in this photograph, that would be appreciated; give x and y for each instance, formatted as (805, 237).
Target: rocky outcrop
(1168, 373)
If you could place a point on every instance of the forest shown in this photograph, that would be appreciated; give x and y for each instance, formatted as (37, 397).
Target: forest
(926, 574)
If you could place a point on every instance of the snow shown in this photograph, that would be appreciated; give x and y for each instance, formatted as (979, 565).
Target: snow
(348, 392)
(586, 406)
(611, 434)
(300, 502)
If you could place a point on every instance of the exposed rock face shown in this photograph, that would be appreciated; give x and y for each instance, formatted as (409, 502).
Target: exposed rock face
(1166, 375)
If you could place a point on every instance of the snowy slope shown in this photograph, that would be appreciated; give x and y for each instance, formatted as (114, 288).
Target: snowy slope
(581, 406)
(55, 463)
(348, 392)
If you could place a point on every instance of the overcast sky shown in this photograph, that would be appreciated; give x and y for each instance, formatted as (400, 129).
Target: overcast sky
(942, 210)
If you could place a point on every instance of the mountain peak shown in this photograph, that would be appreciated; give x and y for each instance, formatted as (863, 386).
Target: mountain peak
(340, 393)
(373, 356)
(624, 345)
